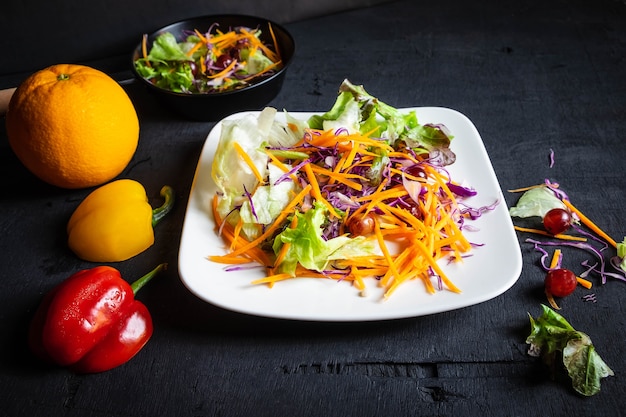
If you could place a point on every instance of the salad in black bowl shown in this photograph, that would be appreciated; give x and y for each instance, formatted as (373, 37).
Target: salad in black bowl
(209, 67)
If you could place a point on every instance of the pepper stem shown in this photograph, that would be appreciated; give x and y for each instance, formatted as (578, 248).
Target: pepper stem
(158, 213)
(137, 285)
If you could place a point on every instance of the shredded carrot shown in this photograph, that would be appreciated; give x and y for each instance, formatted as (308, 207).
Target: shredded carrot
(522, 189)
(283, 252)
(236, 233)
(272, 278)
(274, 39)
(433, 264)
(383, 247)
(248, 161)
(280, 165)
(254, 254)
(201, 36)
(315, 188)
(587, 222)
(258, 44)
(263, 71)
(144, 49)
(339, 177)
(585, 283)
(277, 223)
(225, 71)
(552, 301)
(286, 246)
(383, 195)
(411, 241)
(556, 258)
(228, 234)
(561, 236)
(197, 46)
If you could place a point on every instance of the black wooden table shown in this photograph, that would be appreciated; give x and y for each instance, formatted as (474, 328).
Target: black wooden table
(532, 76)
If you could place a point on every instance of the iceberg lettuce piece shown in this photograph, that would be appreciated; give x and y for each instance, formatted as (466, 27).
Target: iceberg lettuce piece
(286, 134)
(231, 173)
(167, 48)
(267, 201)
(257, 61)
(536, 202)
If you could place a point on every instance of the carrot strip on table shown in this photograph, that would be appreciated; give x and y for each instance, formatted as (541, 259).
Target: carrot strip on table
(590, 224)
(585, 283)
(561, 236)
(556, 258)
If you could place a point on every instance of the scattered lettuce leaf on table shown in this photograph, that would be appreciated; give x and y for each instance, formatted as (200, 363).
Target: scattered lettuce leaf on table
(551, 333)
(536, 202)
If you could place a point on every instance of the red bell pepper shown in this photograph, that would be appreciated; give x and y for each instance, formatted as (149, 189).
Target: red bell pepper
(91, 322)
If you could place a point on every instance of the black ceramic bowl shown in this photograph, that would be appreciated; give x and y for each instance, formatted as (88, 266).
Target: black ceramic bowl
(215, 106)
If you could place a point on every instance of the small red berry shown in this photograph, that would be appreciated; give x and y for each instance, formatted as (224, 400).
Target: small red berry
(560, 282)
(557, 221)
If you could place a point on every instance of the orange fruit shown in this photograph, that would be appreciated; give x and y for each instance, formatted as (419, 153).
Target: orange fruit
(72, 126)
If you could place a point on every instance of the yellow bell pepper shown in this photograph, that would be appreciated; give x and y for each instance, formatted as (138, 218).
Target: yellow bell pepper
(115, 222)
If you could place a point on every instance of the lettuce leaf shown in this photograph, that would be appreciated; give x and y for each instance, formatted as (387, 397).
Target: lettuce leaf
(267, 201)
(166, 48)
(621, 253)
(259, 203)
(256, 61)
(168, 64)
(357, 110)
(536, 202)
(232, 175)
(551, 333)
(308, 247)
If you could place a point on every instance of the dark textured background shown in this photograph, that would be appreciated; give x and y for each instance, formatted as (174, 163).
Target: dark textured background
(531, 75)
(41, 33)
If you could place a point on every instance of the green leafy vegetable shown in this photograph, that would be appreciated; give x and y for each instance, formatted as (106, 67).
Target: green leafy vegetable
(233, 176)
(358, 111)
(212, 62)
(621, 253)
(551, 333)
(310, 249)
(536, 202)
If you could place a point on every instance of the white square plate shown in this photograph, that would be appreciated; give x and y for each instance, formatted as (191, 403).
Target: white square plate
(491, 270)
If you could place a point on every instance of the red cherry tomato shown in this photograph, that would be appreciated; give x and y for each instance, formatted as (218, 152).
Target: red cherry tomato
(557, 221)
(560, 282)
